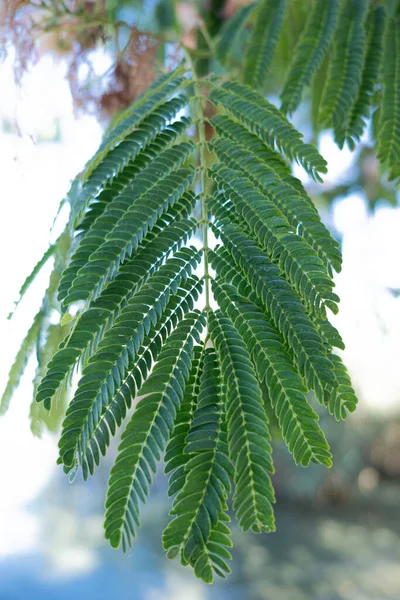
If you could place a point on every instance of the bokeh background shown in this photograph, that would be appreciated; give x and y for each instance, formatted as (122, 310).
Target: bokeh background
(338, 530)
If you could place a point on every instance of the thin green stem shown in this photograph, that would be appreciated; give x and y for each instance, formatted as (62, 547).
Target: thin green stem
(207, 37)
(200, 121)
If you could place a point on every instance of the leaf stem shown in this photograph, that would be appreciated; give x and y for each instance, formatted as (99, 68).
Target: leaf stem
(200, 121)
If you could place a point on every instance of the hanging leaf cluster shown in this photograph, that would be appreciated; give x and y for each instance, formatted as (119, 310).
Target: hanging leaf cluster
(183, 348)
(354, 42)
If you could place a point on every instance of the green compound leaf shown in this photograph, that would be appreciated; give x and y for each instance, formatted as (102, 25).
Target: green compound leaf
(183, 345)
(268, 19)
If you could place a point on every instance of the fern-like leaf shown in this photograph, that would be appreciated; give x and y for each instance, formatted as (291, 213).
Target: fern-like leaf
(346, 66)
(310, 51)
(353, 130)
(244, 152)
(388, 150)
(202, 500)
(297, 420)
(285, 308)
(268, 19)
(148, 432)
(126, 284)
(107, 368)
(263, 119)
(175, 457)
(230, 33)
(248, 436)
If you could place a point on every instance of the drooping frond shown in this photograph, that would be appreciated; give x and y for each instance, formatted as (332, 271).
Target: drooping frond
(353, 129)
(158, 93)
(201, 502)
(117, 233)
(248, 436)
(286, 391)
(32, 276)
(287, 311)
(346, 66)
(108, 366)
(175, 457)
(20, 362)
(310, 51)
(230, 34)
(244, 152)
(134, 287)
(296, 259)
(388, 150)
(40, 416)
(148, 432)
(126, 176)
(102, 313)
(268, 18)
(264, 120)
(340, 399)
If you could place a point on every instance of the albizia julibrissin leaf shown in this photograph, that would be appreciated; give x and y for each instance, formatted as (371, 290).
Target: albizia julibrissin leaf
(310, 51)
(353, 129)
(345, 67)
(248, 436)
(268, 18)
(389, 120)
(175, 457)
(21, 360)
(229, 36)
(263, 119)
(201, 502)
(286, 391)
(147, 433)
(183, 348)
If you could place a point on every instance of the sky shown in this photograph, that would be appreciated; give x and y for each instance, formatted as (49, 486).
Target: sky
(35, 175)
